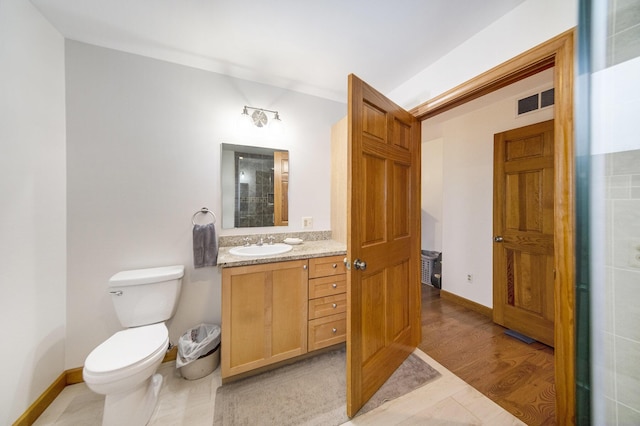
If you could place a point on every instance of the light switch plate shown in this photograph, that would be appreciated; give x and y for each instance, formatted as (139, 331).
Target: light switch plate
(307, 222)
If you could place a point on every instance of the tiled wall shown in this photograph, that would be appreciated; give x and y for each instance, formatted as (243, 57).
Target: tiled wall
(254, 190)
(623, 33)
(622, 307)
(616, 342)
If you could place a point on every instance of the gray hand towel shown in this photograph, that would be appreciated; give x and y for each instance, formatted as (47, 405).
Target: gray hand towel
(205, 245)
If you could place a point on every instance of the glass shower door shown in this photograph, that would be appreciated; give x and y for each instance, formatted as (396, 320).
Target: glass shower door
(608, 213)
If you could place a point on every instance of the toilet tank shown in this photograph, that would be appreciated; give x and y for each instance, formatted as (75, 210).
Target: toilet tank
(146, 296)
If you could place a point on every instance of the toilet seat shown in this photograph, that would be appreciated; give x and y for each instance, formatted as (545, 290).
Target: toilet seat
(127, 352)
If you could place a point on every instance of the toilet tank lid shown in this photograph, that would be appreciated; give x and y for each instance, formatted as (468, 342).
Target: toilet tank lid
(145, 276)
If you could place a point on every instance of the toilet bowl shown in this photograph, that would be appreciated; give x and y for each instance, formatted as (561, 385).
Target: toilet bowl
(123, 367)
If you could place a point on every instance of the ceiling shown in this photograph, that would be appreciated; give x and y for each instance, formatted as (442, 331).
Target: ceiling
(306, 46)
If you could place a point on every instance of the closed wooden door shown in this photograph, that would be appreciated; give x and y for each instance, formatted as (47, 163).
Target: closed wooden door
(523, 253)
(383, 232)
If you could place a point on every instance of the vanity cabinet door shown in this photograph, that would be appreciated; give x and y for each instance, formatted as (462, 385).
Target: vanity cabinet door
(264, 315)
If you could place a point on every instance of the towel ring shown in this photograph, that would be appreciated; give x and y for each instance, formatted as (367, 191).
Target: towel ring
(203, 210)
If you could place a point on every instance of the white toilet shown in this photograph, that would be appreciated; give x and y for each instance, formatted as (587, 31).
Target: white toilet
(123, 367)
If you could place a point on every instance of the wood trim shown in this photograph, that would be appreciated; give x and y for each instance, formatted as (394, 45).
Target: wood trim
(564, 240)
(558, 52)
(68, 377)
(37, 408)
(281, 188)
(531, 62)
(171, 355)
(469, 304)
(74, 376)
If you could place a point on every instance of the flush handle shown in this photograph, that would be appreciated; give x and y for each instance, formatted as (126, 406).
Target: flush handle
(116, 293)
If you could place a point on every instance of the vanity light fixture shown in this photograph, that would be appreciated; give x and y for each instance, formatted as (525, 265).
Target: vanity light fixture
(259, 117)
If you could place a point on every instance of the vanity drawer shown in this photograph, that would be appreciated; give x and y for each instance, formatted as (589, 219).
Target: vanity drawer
(327, 331)
(327, 286)
(326, 266)
(329, 305)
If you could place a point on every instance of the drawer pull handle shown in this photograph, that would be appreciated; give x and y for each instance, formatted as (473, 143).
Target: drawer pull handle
(334, 305)
(335, 265)
(334, 285)
(334, 330)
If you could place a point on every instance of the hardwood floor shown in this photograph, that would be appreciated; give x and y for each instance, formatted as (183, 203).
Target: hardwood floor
(517, 376)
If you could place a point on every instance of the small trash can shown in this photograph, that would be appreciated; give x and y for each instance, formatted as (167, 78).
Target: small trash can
(199, 351)
(428, 259)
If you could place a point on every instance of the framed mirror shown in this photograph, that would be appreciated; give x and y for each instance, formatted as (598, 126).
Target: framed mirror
(255, 186)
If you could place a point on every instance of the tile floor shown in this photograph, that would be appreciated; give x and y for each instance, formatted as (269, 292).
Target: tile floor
(445, 401)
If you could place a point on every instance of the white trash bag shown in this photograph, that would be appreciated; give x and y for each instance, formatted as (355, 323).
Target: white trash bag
(197, 342)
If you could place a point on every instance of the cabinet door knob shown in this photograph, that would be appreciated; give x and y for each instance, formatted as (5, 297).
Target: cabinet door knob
(334, 305)
(334, 330)
(334, 285)
(304, 267)
(335, 265)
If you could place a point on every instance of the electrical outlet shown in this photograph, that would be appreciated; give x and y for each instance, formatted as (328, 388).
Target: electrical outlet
(307, 222)
(469, 278)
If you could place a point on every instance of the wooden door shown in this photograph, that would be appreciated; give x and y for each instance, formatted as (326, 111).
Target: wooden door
(383, 299)
(523, 253)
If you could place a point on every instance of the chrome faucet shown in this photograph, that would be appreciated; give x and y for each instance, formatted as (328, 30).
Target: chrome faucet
(260, 242)
(247, 242)
(271, 238)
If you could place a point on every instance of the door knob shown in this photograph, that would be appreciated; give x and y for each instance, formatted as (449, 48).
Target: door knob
(360, 264)
(498, 239)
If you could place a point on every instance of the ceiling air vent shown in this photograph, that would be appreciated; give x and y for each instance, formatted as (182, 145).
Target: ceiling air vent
(538, 101)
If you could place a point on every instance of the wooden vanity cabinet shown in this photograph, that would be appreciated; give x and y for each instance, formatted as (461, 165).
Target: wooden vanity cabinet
(264, 315)
(327, 302)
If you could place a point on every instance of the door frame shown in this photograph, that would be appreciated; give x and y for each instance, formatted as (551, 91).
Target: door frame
(558, 52)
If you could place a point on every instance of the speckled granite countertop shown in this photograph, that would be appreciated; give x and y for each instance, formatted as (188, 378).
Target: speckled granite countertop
(306, 250)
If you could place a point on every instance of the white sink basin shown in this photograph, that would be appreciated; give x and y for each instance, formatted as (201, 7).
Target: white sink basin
(263, 250)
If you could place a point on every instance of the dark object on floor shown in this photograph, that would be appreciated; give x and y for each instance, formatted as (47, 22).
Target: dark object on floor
(436, 276)
(528, 340)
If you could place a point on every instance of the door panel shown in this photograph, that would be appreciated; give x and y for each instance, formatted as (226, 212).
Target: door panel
(401, 200)
(373, 199)
(523, 217)
(383, 300)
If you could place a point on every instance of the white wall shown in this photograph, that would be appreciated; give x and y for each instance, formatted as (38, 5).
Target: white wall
(143, 155)
(466, 135)
(526, 26)
(431, 190)
(33, 212)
